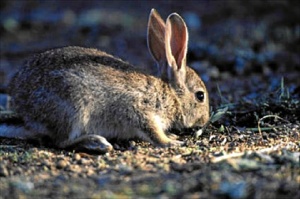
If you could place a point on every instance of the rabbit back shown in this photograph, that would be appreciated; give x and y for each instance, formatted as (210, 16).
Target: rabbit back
(70, 91)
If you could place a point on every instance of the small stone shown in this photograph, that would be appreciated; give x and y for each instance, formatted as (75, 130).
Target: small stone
(132, 144)
(198, 133)
(75, 168)
(273, 135)
(265, 135)
(83, 161)
(77, 157)
(61, 164)
(90, 172)
(18, 171)
(46, 163)
(3, 171)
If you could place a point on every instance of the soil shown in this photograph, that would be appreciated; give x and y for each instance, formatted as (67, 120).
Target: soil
(247, 52)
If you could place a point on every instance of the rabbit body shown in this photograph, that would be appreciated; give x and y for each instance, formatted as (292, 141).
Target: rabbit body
(79, 97)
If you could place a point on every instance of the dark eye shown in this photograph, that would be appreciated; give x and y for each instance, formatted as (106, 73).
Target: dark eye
(200, 95)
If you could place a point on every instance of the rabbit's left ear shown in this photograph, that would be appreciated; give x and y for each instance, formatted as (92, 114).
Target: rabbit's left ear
(156, 42)
(156, 36)
(176, 41)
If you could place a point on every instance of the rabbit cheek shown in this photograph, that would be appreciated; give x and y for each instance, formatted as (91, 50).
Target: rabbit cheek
(198, 118)
(202, 117)
(195, 115)
(201, 121)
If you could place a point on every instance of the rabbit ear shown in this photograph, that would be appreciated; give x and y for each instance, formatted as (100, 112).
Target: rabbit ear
(176, 39)
(156, 36)
(156, 40)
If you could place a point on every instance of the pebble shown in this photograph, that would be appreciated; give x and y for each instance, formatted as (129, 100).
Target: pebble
(84, 161)
(132, 144)
(273, 135)
(198, 133)
(3, 171)
(61, 164)
(90, 172)
(75, 168)
(18, 171)
(46, 163)
(265, 135)
(77, 157)
(124, 169)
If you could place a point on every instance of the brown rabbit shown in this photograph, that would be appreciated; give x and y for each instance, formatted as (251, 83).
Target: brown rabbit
(79, 97)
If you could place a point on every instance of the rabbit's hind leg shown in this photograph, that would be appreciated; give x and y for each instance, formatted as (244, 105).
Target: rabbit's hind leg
(88, 142)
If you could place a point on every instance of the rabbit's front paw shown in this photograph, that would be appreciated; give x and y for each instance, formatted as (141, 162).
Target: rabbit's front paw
(172, 143)
(176, 143)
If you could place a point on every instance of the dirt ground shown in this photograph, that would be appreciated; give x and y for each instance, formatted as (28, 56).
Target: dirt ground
(247, 52)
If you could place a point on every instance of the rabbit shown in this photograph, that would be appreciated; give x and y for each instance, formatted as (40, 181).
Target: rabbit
(82, 97)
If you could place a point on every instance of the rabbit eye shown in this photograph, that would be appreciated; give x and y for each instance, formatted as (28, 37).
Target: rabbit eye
(200, 95)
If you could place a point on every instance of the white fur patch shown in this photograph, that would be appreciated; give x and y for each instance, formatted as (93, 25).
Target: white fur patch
(159, 122)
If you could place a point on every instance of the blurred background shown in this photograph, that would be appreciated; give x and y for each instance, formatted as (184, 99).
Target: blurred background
(246, 45)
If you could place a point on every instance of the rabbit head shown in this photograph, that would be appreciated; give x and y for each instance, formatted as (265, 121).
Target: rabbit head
(168, 43)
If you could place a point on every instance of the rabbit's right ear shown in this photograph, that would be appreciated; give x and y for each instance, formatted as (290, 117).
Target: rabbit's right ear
(176, 41)
(156, 40)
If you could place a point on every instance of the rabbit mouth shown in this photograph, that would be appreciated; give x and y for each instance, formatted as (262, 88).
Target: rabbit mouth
(186, 130)
(199, 123)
